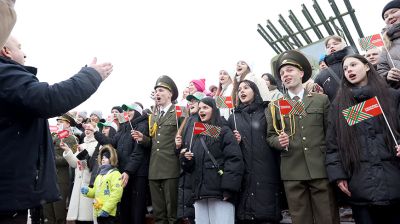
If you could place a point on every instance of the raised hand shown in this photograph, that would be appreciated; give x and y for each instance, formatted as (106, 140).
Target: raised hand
(104, 69)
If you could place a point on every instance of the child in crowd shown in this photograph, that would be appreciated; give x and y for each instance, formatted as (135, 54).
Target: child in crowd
(107, 189)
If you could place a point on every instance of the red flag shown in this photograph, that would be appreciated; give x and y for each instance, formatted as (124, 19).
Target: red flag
(362, 111)
(224, 101)
(206, 129)
(284, 107)
(181, 111)
(63, 134)
(53, 128)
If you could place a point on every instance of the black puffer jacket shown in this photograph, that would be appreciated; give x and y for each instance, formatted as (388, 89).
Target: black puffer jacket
(185, 201)
(326, 78)
(259, 197)
(206, 181)
(133, 158)
(378, 179)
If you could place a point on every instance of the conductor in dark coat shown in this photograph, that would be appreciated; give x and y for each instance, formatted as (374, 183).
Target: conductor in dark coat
(28, 174)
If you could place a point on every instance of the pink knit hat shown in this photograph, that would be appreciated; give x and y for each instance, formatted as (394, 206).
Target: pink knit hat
(200, 84)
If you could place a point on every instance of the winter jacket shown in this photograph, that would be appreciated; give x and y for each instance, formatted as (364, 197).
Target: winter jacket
(206, 181)
(185, 202)
(28, 174)
(377, 182)
(133, 158)
(327, 78)
(259, 197)
(80, 207)
(385, 62)
(107, 192)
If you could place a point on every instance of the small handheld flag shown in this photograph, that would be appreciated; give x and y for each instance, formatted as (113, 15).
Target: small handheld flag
(284, 107)
(206, 129)
(63, 134)
(181, 111)
(291, 107)
(370, 42)
(224, 101)
(362, 111)
(122, 117)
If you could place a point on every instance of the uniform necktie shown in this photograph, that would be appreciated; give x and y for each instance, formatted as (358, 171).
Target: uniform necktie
(297, 98)
(162, 114)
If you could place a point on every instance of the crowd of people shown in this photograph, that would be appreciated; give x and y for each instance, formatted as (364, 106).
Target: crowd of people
(246, 165)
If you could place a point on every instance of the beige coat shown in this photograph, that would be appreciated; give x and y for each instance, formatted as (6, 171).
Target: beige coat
(80, 207)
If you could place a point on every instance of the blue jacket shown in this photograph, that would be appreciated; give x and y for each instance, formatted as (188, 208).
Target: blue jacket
(28, 175)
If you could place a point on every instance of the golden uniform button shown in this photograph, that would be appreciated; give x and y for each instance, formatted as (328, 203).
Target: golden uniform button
(158, 150)
(305, 149)
(304, 138)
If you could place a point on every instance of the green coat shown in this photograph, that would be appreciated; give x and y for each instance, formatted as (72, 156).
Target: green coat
(164, 162)
(305, 157)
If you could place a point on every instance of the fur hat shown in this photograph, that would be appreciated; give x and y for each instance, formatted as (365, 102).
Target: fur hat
(391, 5)
(166, 82)
(297, 59)
(68, 118)
(98, 113)
(109, 152)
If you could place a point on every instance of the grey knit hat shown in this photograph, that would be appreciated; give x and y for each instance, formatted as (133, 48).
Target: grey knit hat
(98, 113)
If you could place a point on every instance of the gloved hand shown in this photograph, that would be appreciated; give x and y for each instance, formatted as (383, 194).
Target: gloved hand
(84, 190)
(103, 214)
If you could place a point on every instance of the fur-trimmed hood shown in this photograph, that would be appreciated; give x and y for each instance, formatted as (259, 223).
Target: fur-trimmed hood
(113, 153)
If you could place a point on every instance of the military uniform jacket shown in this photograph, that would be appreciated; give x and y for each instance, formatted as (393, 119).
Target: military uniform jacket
(305, 157)
(164, 162)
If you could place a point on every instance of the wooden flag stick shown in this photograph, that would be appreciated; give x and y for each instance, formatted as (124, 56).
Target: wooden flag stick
(387, 123)
(191, 139)
(177, 123)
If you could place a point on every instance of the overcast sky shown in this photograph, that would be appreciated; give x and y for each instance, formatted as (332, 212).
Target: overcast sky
(145, 39)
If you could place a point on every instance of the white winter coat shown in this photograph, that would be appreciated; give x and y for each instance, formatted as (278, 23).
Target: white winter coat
(80, 207)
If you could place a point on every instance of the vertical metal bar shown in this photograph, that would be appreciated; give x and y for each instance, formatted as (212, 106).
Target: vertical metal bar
(299, 27)
(289, 31)
(342, 23)
(311, 21)
(322, 17)
(268, 38)
(277, 35)
(354, 18)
